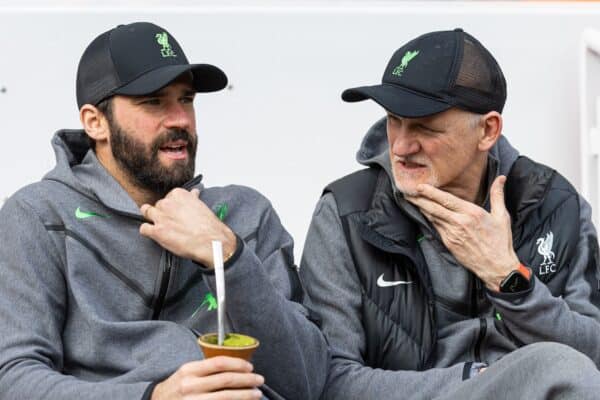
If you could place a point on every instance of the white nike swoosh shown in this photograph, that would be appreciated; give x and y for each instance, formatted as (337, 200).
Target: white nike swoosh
(383, 283)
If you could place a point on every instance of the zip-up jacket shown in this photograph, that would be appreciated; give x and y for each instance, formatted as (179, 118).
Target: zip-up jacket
(367, 266)
(91, 309)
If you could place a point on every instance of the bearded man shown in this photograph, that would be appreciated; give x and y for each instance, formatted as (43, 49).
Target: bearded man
(106, 265)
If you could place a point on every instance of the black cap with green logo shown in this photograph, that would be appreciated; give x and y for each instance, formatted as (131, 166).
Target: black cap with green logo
(437, 71)
(138, 59)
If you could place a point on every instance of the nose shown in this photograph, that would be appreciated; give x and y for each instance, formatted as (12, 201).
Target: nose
(179, 116)
(402, 141)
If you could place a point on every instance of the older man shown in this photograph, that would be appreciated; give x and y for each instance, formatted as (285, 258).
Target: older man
(440, 269)
(106, 264)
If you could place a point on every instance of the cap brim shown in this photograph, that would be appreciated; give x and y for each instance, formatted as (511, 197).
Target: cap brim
(207, 78)
(397, 100)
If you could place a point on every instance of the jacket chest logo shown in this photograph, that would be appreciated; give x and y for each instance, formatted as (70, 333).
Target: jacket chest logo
(383, 283)
(548, 265)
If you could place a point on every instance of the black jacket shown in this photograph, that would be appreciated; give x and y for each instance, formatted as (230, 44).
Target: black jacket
(400, 324)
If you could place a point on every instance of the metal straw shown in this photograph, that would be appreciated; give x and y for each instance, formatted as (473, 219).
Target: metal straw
(217, 247)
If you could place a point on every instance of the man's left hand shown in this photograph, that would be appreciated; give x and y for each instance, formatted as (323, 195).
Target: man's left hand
(480, 241)
(181, 223)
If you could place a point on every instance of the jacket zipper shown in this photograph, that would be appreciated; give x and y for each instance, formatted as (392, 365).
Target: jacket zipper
(166, 274)
(482, 332)
(164, 283)
(477, 293)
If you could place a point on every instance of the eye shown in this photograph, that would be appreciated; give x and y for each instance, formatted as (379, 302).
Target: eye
(187, 99)
(427, 129)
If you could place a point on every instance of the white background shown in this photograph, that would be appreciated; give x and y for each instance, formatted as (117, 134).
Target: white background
(281, 127)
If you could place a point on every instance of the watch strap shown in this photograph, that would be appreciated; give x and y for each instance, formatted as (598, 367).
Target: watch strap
(526, 272)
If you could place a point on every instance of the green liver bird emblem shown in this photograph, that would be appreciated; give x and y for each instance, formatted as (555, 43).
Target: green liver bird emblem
(166, 50)
(408, 57)
(222, 210)
(210, 302)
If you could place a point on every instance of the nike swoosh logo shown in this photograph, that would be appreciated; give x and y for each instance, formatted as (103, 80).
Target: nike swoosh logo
(383, 283)
(79, 214)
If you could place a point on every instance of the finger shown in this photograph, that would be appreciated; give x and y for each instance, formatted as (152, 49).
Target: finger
(440, 225)
(497, 206)
(144, 209)
(215, 365)
(176, 193)
(248, 394)
(224, 380)
(432, 208)
(447, 236)
(149, 212)
(195, 192)
(428, 216)
(445, 199)
(147, 230)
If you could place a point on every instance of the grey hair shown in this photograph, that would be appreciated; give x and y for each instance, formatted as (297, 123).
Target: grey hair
(475, 120)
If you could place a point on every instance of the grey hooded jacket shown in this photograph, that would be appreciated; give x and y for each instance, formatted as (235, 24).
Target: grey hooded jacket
(335, 293)
(91, 309)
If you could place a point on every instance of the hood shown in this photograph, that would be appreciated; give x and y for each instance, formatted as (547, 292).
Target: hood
(374, 150)
(78, 168)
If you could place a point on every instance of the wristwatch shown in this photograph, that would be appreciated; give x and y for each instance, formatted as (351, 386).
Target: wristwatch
(517, 280)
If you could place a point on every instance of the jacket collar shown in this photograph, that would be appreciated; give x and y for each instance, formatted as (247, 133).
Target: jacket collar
(386, 219)
(526, 187)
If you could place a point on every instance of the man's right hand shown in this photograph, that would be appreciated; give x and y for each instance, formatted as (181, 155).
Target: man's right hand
(217, 378)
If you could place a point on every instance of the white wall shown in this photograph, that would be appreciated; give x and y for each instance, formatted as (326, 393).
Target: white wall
(282, 127)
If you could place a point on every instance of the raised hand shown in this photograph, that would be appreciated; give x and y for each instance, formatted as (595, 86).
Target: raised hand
(184, 225)
(480, 241)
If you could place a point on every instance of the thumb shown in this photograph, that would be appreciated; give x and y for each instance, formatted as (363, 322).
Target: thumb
(497, 196)
(195, 192)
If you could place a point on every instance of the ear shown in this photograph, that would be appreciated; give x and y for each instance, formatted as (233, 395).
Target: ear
(491, 125)
(94, 122)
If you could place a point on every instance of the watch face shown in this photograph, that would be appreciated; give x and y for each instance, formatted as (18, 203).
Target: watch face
(514, 282)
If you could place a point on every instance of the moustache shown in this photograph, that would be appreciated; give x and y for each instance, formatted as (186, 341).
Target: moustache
(412, 160)
(173, 135)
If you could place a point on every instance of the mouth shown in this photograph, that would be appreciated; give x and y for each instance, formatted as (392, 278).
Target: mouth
(175, 150)
(410, 165)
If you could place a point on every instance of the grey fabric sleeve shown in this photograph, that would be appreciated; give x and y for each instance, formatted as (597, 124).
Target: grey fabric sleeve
(573, 318)
(32, 307)
(293, 354)
(332, 284)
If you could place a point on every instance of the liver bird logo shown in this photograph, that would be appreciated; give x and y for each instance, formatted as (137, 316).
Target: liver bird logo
(545, 248)
(408, 56)
(163, 40)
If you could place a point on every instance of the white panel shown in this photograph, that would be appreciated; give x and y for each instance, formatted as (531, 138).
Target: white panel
(590, 118)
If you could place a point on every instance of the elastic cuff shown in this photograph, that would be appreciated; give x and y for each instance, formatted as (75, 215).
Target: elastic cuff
(513, 296)
(148, 393)
(239, 247)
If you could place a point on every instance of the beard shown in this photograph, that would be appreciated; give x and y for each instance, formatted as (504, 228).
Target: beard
(406, 181)
(142, 164)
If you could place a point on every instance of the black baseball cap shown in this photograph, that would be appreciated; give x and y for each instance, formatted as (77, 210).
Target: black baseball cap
(437, 71)
(138, 59)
